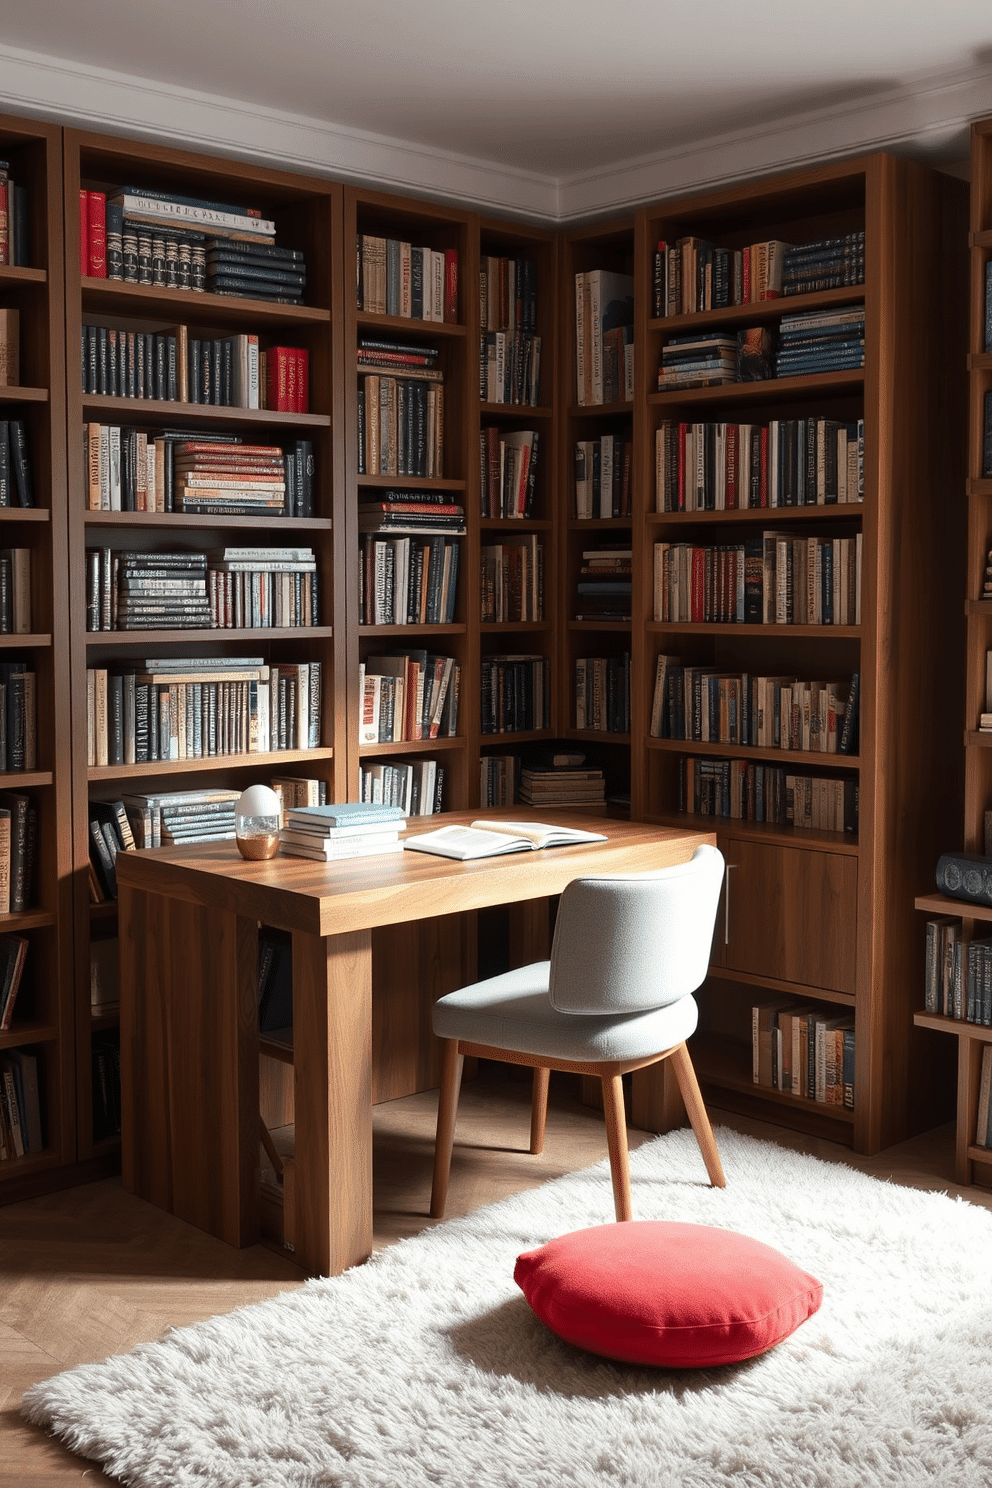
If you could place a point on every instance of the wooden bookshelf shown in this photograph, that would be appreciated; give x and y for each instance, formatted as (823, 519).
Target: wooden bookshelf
(43, 1016)
(307, 213)
(973, 1162)
(825, 917)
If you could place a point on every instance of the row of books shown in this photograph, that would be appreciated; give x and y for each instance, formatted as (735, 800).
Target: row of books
(713, 706)
(508, 471)
(18, 851)
(416, 787)
(172, 366)
(15, 591)
(499, 775)
(21, 1133)
(746, 791)
(603, 476)
(821, 341)
(771, 578)
(13, 953)
(740, 467)
(110, 833)
(408, 580)
(16, 471)
(129, 469)
(958, 972)
(507, 294)
(244, 588)
(604, 587)
(398, 278)
(604, 337)
(515, 694)
(602, 693)
(10, 346)
(15, 220)
(512, 581)
(169, 708)
(400, 426)
(408, 695)
(18, 716)
(693, 274)
(510, 367)
(803, 1051)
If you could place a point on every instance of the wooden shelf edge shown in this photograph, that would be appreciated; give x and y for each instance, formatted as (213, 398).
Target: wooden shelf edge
(758, 753)
(212, 763)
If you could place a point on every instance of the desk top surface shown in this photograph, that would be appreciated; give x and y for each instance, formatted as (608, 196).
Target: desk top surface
(361, 893)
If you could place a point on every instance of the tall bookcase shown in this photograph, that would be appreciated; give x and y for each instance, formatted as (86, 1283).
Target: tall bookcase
(307, 214)
(42, 1024)
(825, 917)
(973, 1160)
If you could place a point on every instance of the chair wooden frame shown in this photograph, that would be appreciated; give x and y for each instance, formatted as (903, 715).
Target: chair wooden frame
(611, 1074)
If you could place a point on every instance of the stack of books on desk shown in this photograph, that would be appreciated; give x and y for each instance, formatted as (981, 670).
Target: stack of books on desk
(355, 829)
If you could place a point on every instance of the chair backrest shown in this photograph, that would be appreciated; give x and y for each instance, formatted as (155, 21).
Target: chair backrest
(625, 943)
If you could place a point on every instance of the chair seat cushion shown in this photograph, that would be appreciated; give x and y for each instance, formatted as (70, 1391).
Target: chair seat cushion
(514, 1011)
(655, 1292)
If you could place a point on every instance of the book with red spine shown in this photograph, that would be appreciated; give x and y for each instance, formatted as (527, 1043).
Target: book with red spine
(277, 361)
(96, 233)
(302, 380)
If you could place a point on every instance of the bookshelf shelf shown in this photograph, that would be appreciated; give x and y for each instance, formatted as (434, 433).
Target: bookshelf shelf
(410, 746)
(771, 390)
(813, 757)
(179, 638)
(756, 311)
(410, 329)
(212, 764)
(108, 297)
(173, 520)
(805, 632)
(19, 393)
(763, 516)
(160, 411)
(13, 275)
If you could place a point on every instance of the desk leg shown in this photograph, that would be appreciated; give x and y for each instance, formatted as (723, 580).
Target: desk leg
(332, 1062)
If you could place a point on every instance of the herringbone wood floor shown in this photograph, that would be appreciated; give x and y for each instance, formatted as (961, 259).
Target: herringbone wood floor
(94, 1271)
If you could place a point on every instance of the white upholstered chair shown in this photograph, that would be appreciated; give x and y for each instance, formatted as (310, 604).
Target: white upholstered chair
(628, 952)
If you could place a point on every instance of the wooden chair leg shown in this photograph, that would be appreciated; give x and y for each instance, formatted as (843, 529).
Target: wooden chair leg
(698, 1119)
(447, 1109)
(539, 1109)
(616, 1141)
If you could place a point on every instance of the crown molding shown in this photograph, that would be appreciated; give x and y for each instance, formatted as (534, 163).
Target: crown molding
(928, 116)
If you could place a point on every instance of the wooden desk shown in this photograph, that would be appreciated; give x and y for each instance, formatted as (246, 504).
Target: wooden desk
(189, 1026)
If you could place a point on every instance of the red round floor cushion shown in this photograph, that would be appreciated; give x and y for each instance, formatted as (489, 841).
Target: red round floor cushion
(652, 1292)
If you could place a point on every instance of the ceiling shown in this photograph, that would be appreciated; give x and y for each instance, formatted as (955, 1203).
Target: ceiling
(547, 94)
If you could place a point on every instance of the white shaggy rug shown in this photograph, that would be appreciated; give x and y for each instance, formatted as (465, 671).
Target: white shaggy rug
(426, 1367)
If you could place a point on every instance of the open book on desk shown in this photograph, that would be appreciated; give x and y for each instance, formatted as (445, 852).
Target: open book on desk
(486, 839)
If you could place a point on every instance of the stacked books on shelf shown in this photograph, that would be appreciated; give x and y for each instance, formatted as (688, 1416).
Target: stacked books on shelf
(174, 817)
(508, 471)
(18, 851)
(18, 716)
(563, 785)
(21, 1132)
(512, 581)
(604, 337)
(196, 472)
(602, 476)
(173, 366)
(398, 278)
(16, 473)
(803, 1051)
(408, 695)
(400, 409)
(747, 791)
(15, 591)
(172, 708)
(515, 694)
(358, 829)
(415, 786)
(13, 953)
(715, 706)
(829, 263)
(740, 467)
(498, 778)
(771, 578)
(603, 591)
(821, 341)
(698, 359)
(10, 347)
(510, 352)
(410, 512)
(602, 693)
(408, 580)
(693, 274)
(15, 220)
(261, 587)
(255, 271)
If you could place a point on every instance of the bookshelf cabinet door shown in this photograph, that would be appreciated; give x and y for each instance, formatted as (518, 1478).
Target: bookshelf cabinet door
(791, 914)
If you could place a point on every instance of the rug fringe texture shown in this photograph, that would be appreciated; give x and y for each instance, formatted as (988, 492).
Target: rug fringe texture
(426, 1369)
